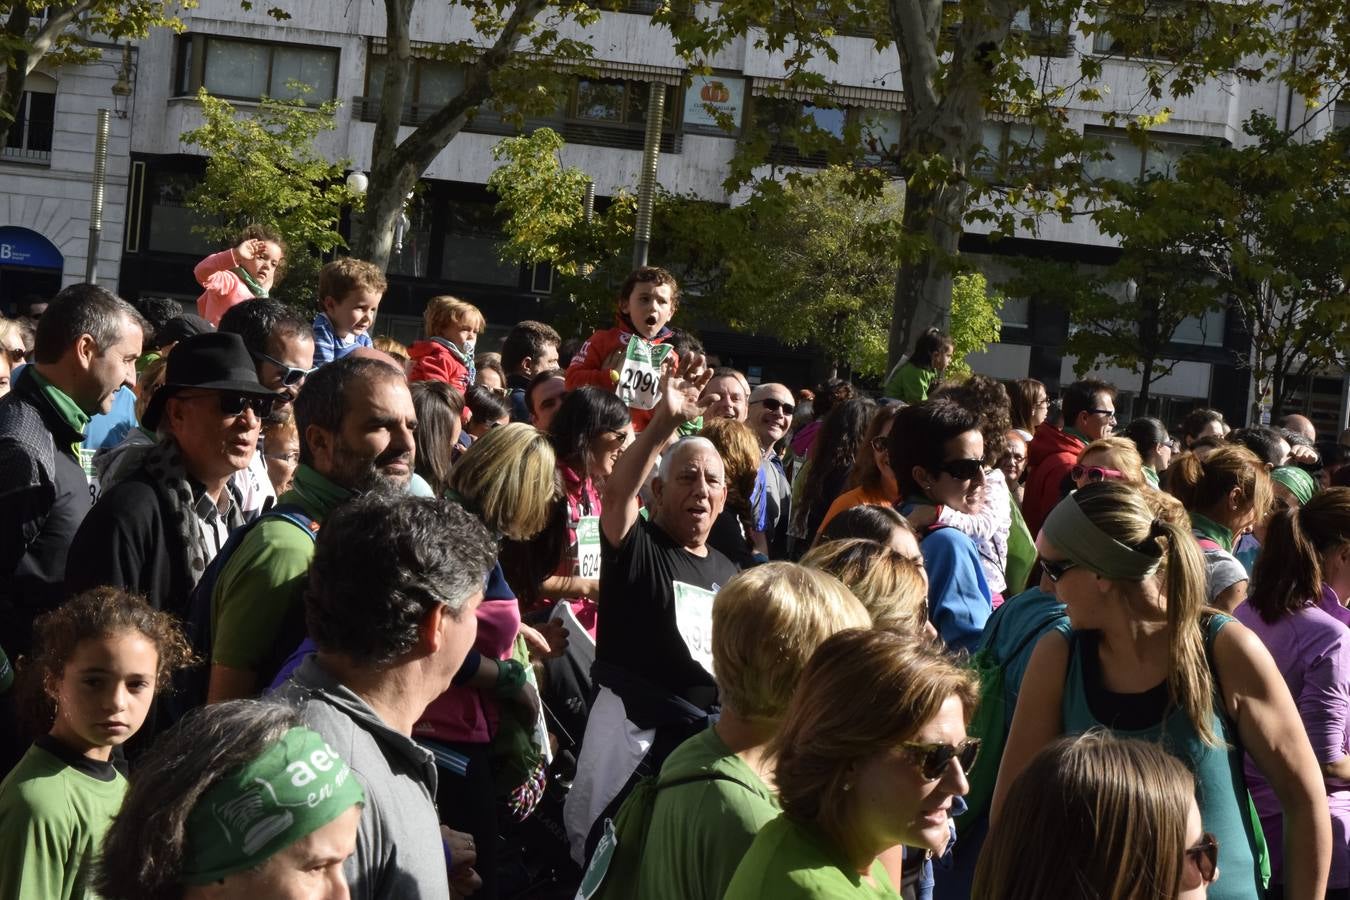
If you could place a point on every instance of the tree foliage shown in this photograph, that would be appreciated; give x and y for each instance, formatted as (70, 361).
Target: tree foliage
(975, 322)
(262, 168)
(55, 34)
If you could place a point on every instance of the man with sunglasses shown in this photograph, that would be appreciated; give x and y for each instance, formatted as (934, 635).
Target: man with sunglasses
(1089, 414)
(157, 530)
(770, 416)
(282, 347)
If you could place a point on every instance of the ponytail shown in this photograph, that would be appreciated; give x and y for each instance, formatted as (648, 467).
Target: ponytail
(1190, 682)
(1288, 572)
(1204, 485)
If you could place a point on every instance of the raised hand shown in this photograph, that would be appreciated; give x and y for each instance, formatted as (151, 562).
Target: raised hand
(680, 391)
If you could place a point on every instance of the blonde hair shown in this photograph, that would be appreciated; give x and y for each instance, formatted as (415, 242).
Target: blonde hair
(444, 312)
(1125, 454)
(340, 277)
(1114, 810)
(767, 621)
(388, 345)
(1203, 485)
(508, 478)
(889, 585)
(863, 693)
(1124, 513)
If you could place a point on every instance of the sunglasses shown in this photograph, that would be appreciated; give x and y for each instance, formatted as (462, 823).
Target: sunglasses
(1054, 569)
(932, 759)
(1205, 855)
(1094, 473)
(963, 469)
(1109, 413)
(233, 405)
(290, 376)
(773, 405)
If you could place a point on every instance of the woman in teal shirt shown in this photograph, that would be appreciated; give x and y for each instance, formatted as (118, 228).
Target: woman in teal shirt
(1147, 660)
(871, 755)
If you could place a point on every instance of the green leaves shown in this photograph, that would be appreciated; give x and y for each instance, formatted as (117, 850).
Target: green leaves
(262, 168)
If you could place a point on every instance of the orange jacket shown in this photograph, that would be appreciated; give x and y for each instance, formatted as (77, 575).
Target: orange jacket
(588, 366)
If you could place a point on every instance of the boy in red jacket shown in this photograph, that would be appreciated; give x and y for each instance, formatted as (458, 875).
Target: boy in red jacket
(446, 354)
(648, 299)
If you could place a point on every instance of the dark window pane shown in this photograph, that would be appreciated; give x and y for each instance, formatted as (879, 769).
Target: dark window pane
(41, 120)
(601, 101)
(236, 68)
(170, 219)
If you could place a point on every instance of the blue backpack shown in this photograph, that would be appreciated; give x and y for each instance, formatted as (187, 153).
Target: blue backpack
(190, 685)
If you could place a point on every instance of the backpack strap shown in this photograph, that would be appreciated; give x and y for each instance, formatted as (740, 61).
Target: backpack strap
(700, 776)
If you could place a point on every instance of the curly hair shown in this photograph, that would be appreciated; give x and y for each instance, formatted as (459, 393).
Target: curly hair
(257, 232)
(987, 398)
(94, 614)
(739, 448)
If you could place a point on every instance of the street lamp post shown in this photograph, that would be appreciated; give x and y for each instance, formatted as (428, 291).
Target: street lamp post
(96, 201)
(651, 158)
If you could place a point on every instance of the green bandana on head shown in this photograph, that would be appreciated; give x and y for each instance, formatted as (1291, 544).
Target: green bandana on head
(297, 786)
(1299, 482)
(1079, 539)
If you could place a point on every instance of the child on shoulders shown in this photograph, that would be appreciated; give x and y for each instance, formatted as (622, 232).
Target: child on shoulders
(350, 291)
(446, 354)
(241, 273)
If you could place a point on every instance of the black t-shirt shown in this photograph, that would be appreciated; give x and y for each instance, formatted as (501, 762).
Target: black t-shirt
(638, 627)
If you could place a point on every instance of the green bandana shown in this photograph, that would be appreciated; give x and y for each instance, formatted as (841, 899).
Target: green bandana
(1299, 482)
(1206, 527)
(296, 787)
(1079, 538)
(65, 407)
(257, 289)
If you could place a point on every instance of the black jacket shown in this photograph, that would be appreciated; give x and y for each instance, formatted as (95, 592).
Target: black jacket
(44, 496)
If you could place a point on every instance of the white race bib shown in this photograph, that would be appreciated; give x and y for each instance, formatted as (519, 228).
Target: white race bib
(90, 472)
(600, 860)
(693, 619)
(588, 547)
(640, 378)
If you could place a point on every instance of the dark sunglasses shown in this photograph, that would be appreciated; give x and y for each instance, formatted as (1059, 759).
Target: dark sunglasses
(932, 759)
(1205, 855)
(290, 377)
(963, 469)
(1054, 569)
(1109, 413)
(775, 405)
(1095, 473)
(235, 404)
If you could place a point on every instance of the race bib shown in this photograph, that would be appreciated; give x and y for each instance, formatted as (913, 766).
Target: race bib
(599, 866)
(588, 547)
(90, 473)
(693, 619)
(640, 378)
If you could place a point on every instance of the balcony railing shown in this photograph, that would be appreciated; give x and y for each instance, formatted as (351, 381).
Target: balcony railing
(26, 156)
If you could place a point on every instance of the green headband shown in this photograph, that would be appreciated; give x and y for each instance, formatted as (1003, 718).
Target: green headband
(1299, 482)
(297, 786)
(1079, 538)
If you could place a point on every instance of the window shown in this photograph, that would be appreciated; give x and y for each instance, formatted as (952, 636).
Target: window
(30, 136)
(880, 134)
(1006, 146)
(1046, 36)
(250, 70)
(432, 83)
(170, 220)
(472, 239)
(1164, 29)
(1340, 114)
(1205, 330)
(1127, 161)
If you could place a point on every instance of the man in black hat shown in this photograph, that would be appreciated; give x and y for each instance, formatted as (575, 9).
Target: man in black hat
(156, 531)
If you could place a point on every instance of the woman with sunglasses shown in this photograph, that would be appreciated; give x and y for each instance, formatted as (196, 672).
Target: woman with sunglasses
(1295, 609)
(937, 453)
(1121, 817)
(1146, 660)
(871, 481)
(1227, 494)
(1108, 459)
(871, 754)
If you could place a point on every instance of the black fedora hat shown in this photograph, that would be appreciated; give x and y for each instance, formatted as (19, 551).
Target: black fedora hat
(213, 361)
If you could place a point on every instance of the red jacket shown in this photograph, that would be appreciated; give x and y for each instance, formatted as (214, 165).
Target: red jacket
(1049, 458)
(588, 366)
(433, 360)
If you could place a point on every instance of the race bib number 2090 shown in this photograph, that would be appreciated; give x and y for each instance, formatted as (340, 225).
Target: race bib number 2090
(640, 378)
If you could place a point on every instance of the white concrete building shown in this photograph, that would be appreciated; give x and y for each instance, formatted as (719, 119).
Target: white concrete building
(339, 50)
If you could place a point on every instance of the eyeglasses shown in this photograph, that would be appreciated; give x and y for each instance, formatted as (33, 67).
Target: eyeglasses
(1054, 569)
(774, 405)
(932, 759)
(1094, 473)
(963, 469)
(234, 404)
(1109, 413)
(1205, 855)
(290, 376)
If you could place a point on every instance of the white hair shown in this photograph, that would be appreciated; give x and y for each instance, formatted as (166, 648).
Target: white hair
(668, 458)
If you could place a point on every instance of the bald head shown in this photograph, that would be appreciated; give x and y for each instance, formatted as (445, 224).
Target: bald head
(770, 413)
(1300, 425)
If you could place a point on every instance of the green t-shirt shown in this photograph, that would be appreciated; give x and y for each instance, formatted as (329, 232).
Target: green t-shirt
(793, 861)
(910, 383)
(53, 817)
(699, 831)
(261, 587)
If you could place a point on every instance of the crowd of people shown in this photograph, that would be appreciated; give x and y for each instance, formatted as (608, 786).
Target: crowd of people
(295, 611)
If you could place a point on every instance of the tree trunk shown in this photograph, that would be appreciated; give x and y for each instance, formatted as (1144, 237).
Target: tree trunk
(944, 108)
(20, 53)
(397, 165)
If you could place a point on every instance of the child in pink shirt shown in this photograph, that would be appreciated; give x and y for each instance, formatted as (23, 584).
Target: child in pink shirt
(241, 273)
